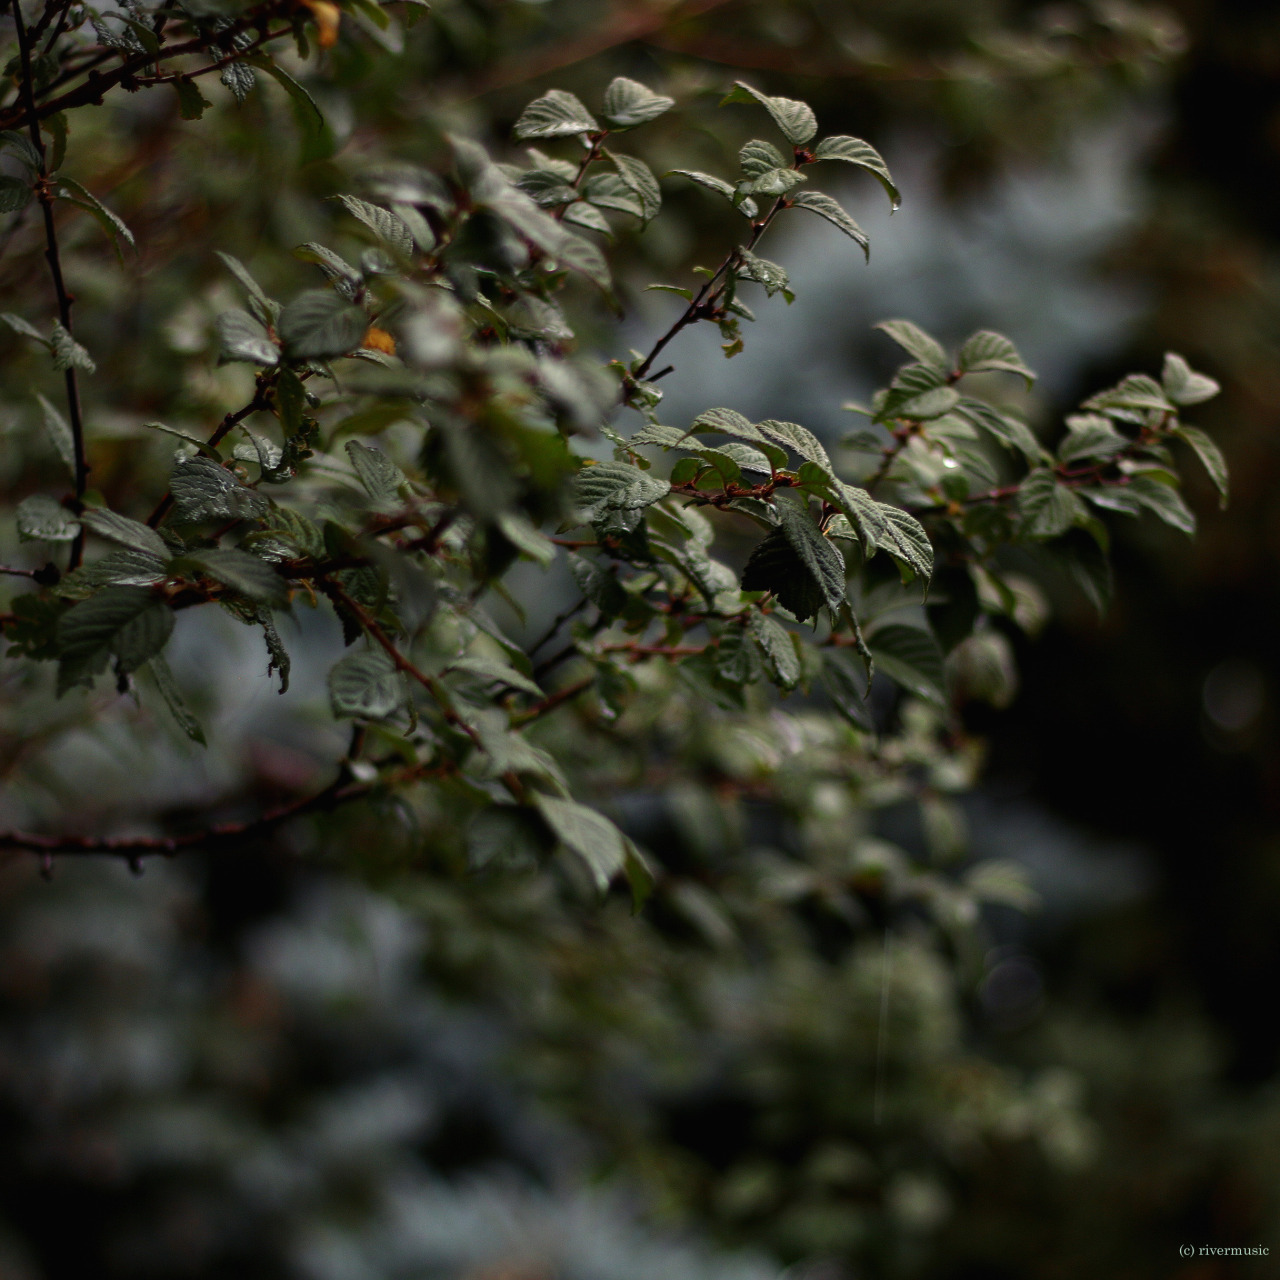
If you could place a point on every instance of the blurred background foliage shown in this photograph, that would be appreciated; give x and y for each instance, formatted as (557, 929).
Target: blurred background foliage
(292, 1058)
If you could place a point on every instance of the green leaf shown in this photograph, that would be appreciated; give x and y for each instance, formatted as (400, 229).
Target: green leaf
(488, 670)
(111, 223)
(380, 476)
(912, 658)
(771, 277)
(985, 352)
(904, 538)
(68, 353)
(583, 257)
(318, 325)
(57, 128)
(912, 339)
(590, 835)
(240, 571)
(546, 188)
(1090, 435)
(1164, 500)
(1008, 430)
(59, 432)
(799, 440)
(317, 141)
(127, 622)
(346, 280)
(240, 78)
(747, 208)
(919, 391)
(628, 103)
(1047, 507)
(389, 227)
(773, 182)
(1182, 385)
(758, 158)
(266, 309)
(795, 119)
(846, 683)
(24, 327)
(613, 485)
(15, 193)
(22, 147)
(365, 685)
(167, 686)
(202, 490)
(127, 533)
(608, 191)
(241, 337)
(582, 214)
(729, 422)
(639, 179)
(599, 586)
(556, 114)
(1210, 455)
(1135, 392)
(862, 154)
(825, 207)
(780, 656)
(124, 568)
(801, 567)
(527, 539)
(40, 517)
(192, 104)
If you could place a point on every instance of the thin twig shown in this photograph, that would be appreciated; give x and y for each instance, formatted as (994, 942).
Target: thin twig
(44, 193)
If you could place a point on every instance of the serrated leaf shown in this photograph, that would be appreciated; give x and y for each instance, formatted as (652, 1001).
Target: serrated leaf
(266, 309)
(192, 104)
(528, 540)
(779, 650)
(731, 423)
(1210, 456)
(798, 439)
(241, 572)
(317, 141)
(365, 685)
(167, 686)
(1184, 386)
(22, 147)
(773, 182)
(1137, 391)
(608, 191)
(582, 214)
(1090, 435)
(203, 490)
(127, 622)
(546, 188)
(825, 207)
(758, 157)
(639, 179)
(381, 478)
(912, 339)
(389, 227)
(862, 154)
(124, 568)
(583, 257)
(613, 485)
(127, 533)
(769, 275)
(111, 223)
(912, 658)
(15, 193)
(346, 280)
(801, 567)
(1008, 430)
(40, 517)
(67, 352)
(986, 351)
(1047, 508)
(240, 78)
(242, 338)
(59, 432)
(318, 325)
(904, 538)
(487, 669)
(1164, 500)
(23, 327)
(846, 683)
(628, 103)
(590, 835)
(745, 207)
(795, 119)
(557, 114)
